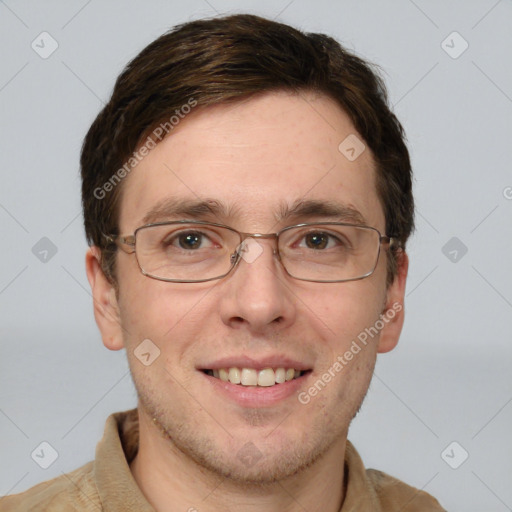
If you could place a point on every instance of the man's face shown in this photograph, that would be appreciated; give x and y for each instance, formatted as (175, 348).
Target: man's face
(253, 157)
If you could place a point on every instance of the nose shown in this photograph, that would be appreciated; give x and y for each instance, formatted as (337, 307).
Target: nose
(256, 294)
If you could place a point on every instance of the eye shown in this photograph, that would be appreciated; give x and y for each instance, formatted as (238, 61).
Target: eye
(318, 240)
(188, 240)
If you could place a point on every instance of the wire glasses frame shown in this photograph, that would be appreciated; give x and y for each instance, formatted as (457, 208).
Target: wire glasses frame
(128, 243)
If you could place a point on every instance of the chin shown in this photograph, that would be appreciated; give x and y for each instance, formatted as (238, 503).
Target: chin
(250, 467)
(256, 462)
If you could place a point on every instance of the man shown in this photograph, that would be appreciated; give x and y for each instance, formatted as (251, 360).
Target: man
(247, 198)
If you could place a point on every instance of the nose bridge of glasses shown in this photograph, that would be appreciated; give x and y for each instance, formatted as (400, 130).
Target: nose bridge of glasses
(260, 236)
(249, 252)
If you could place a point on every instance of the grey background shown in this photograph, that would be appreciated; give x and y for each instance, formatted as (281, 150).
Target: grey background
(449, 378)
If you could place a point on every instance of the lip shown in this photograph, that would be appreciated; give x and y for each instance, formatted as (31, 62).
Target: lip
(256, 396)
(275, 361)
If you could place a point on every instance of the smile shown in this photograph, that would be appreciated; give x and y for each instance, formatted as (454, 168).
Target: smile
(251, 377)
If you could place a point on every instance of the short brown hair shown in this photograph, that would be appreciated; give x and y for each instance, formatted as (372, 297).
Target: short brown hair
(229, 59)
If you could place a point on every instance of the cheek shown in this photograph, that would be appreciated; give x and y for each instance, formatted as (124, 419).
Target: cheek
(160, 311)
(346, 309)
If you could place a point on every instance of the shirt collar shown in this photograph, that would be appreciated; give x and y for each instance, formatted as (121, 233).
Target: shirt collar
(117, 489)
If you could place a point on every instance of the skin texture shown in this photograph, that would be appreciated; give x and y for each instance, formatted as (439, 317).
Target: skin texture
(251, 155)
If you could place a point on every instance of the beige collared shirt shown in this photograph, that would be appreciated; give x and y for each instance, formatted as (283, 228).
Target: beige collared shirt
(106, 484)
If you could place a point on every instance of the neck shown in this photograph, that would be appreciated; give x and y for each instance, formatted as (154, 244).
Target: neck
(173, 482)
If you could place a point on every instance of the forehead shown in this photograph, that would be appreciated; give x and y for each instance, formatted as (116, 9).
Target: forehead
(257, 159)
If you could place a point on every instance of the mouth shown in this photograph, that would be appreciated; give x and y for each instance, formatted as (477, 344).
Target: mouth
(252, 377)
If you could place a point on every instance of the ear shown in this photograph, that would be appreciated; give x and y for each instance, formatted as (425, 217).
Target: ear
(393, 312)
(106, 309)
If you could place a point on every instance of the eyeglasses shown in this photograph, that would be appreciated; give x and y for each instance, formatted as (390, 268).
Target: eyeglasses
(185, 251)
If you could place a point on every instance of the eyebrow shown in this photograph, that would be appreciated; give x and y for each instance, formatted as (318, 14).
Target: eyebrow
(216, 209)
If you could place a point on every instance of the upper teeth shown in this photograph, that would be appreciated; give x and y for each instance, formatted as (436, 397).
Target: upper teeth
(252, 377)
